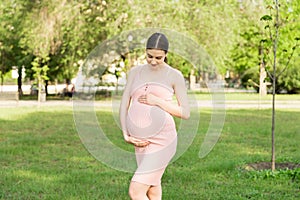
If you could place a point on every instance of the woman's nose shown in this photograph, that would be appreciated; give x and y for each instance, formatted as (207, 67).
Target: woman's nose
(153, 61)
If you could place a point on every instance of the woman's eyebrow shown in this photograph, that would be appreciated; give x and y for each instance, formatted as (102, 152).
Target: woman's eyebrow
(158, 57)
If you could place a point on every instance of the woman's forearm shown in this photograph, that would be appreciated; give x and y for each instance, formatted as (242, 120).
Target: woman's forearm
(123, 113)
(175, 110)
(182, 111)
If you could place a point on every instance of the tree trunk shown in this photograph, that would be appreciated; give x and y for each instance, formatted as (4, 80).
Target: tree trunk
(39, 88)
(192, 80)
(262, 74)
(273, 126)
(275, 41)
(46, 87)
(2, 81)
(20, 91)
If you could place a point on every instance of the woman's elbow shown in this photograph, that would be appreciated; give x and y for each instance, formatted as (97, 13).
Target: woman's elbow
(185, 115)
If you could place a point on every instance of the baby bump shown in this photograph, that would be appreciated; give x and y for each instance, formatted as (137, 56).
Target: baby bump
(144, 121)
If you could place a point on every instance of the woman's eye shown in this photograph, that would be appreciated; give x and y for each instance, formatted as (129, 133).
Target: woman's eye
(157, 58)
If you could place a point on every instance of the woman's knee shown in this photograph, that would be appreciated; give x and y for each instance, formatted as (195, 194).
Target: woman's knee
(138, 191)
(133, 193)
(155, 192)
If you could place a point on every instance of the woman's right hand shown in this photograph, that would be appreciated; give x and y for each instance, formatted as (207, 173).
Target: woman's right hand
(135, 141)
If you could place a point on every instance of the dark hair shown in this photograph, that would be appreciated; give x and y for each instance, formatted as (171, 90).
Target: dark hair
(158, 41)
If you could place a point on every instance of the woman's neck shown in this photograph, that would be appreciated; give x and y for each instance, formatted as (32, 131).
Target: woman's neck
(156, 68)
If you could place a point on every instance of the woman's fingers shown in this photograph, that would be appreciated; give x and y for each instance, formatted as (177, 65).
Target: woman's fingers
(149, 99)
(142, 99)
(138, 142)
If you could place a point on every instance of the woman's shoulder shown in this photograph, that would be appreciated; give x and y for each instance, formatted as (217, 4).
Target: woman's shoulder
(133, 71)
(174, 72)
(175, 76)
(135, 68)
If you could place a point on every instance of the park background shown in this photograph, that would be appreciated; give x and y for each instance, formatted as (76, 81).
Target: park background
(44, 43)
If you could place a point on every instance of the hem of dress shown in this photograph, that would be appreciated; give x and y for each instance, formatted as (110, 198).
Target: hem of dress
(138, 181)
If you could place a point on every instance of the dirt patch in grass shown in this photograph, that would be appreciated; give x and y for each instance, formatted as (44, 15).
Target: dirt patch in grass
(268, 165)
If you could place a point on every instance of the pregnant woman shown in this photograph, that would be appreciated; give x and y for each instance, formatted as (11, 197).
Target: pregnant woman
(146, 114)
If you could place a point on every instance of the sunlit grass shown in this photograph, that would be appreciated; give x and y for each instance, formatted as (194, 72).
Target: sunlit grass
(243, 96)
(42, 157)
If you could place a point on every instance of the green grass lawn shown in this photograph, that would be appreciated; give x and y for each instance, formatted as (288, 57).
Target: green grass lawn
(197, 95)
(245, 96)
(42, 157)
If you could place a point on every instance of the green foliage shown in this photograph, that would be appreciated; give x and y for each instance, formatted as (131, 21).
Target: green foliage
(256, 39)
(181, 64)
(66, 31)
(266, 18)
(290, 79)
(286, 48)
(11, 15)
(245, 56)
(292, 174)
(40, 68)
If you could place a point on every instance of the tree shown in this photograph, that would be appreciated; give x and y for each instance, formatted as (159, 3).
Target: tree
(87, 20)
(62, 33)
(288, 76)
(53, 33)
(41, 39)
(11, 54)
(274, 24)
(214, 25)
(246, 59)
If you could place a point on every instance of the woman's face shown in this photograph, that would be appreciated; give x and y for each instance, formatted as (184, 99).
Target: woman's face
(155, 57)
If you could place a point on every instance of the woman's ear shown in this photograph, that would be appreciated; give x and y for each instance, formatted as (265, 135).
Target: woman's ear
(166, 59)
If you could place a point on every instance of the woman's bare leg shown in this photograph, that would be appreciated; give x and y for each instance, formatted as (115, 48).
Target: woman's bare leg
(138, 191)
(155, 192)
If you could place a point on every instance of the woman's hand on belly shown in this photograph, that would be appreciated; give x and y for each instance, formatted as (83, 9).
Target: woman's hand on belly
(135, 141)
(149, 99)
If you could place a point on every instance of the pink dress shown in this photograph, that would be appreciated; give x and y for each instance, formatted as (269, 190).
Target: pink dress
(155, 125)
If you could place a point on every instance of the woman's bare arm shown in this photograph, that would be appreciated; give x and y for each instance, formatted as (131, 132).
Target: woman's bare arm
(181, 109)
(125, 102)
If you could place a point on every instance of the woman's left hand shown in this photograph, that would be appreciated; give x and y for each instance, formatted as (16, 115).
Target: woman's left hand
(149, 99)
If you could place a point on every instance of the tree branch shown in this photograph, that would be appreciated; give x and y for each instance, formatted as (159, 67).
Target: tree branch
(269, 74)
(289, 59)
